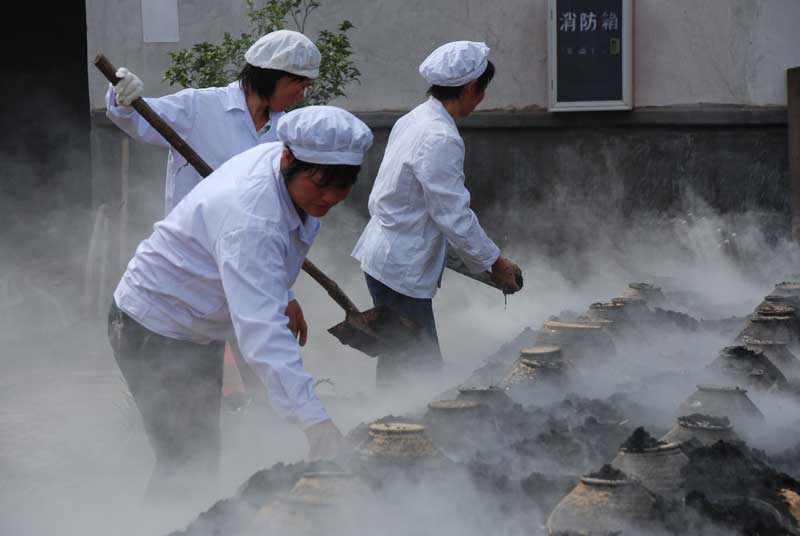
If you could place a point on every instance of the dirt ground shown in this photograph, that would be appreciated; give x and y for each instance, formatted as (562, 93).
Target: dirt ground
(73, 455)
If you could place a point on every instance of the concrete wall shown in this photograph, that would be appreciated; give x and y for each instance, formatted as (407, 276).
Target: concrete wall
(687, 52)
(712, 74)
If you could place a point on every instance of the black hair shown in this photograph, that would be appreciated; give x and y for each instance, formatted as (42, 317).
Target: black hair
(446, 93)
(335, 175)
(262, 82)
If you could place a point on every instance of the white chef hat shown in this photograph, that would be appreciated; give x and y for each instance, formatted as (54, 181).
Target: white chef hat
(325, 135)
(455, 64)
(285, 50)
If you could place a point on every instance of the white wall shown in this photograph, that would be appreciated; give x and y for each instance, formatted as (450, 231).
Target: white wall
(687, 51)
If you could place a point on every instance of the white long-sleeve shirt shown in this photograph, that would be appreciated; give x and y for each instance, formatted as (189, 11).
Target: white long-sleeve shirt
(419, 203)
(215, 122)
(226, 257)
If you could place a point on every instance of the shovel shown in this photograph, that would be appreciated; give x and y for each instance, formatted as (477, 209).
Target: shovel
(373, 332)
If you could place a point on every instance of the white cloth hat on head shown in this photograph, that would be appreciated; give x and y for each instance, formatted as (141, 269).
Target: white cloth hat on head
(455, 64)
(325, 135)
(285, 50)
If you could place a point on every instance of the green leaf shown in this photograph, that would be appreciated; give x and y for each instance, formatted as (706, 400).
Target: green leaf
(212, 65)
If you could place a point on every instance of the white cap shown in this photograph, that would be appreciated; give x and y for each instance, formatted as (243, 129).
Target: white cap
(325, 135)
(285, 50)
(455, 64)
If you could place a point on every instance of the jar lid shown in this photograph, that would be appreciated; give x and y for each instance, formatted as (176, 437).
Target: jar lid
(705, 422)
(536, 363)
(788, 285)
(750, 341)
(454, 405)
(540, 350)
(644, 286)
(628, 300)
(396, 428)
(481, 390)
(556, 324)
(666, 447)
(767, 319)
(721, 388)
(775, 310)
(603, 482)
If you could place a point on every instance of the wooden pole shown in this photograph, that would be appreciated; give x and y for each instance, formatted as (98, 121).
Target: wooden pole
(125, 162)
(793, 108)
(155, 121)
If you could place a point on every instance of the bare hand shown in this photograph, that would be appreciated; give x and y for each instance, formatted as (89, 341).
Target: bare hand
(507, 275)
(325, 441)
(297, 322)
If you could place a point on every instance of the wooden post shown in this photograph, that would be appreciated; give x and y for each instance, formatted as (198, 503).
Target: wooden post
(793, 108)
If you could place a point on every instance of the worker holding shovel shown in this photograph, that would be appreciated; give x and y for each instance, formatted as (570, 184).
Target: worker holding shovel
(419, 204)
(222, 263)
(221, 122)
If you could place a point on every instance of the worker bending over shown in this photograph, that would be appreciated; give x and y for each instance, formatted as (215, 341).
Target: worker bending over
(222, 262)
(221, 122)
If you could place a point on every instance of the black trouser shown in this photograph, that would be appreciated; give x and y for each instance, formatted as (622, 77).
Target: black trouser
(422, 357)
(177, 387)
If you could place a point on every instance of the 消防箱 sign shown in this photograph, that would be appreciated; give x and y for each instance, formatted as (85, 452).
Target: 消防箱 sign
(590, 55)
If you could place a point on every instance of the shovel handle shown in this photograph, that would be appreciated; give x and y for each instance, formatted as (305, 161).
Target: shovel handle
(155, 121)
(334, 291)
(455, 263)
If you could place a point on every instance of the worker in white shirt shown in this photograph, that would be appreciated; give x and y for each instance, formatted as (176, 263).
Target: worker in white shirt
(222, 262)
(419, 204)
(220, 122)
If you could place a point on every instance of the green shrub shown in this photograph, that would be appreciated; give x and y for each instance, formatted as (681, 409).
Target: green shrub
(214, 65)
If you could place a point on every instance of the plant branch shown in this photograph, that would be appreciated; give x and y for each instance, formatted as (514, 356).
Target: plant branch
(213, 65)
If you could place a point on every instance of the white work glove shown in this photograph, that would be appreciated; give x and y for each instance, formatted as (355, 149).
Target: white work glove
(128, 89)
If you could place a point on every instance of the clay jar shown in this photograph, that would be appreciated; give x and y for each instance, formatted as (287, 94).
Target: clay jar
(781, 310)
(658, 468)
(703, 428)
(772, 326)
(742, 366)
(399, 441)
(779, 299)
(577, 340)
(634, 306)
(776, 300)
(776, 309)
(396, 450)
(454, 413)
(789, 289)
(459, 427)
(544, 352)
(527, 369)
(313, 506)
(494, 397)
(719, 401)
(651, 294)
(615, 312)
(603, 507)
(778, 353)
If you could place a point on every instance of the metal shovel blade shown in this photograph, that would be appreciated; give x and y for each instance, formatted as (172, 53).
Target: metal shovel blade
(376, 331)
